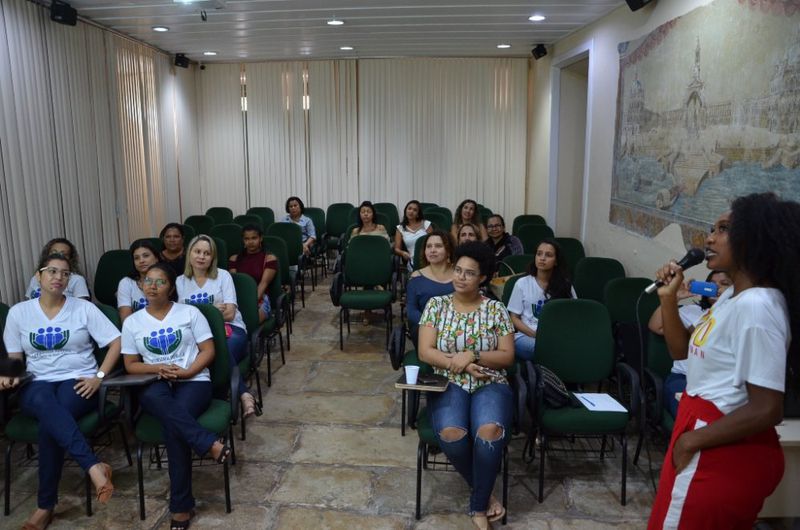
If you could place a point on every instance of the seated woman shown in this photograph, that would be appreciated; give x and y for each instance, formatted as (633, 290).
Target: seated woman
(690, 315)
(173, 240)
(435, 278)
(547, 279)
(183, 390)
(294, 214)
(77, 283)
(258, 264)
(203, 283)
(130, 295)
(468, 232)
(366, 223)
(469, 339)
(412, 227)
(467, 212)
(503, 244)
(54, 332)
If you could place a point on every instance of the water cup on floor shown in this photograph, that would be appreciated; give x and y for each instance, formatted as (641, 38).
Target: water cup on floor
(411, 374)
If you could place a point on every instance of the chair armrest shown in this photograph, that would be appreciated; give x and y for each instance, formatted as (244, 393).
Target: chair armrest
(651, 379)
(627, 375)
(282, 308)
(6, 394)
(535, 392)
(235, 394)
(129, 380)
(522, 396)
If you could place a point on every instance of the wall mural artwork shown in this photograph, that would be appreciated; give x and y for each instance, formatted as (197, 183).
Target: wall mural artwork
(708, 109)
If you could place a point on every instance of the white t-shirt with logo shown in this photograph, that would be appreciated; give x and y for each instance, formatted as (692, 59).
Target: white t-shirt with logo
(170, 341)
(741, 339)
(60, 348)
(527, 300)
(129, 295)
(689, 314)
(76, 286)
(219, 290)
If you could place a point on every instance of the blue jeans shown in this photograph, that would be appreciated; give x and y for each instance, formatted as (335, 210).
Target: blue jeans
(237, 350)
(56, 406)
(176, 406)
(672, 384)
(524, 346)
(476, 459)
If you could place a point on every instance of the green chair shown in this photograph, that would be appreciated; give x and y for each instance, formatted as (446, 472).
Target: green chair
(336, 221)
(218, 418)
(247, 302)
(524, 220)
(231, 233)
(156, 242)
(222, 252)
(579, 359)
(288, 280)
(320, 249)
(440, 220)
(267, 215)
(201, 223)
(3, 315)
(278, 318)
(368, 265)
(392, 214)
(532, 234)
(592, 274)
(573, 252)
(220, 214)
(658, 365)
(189, 233)
(440, 209)
(292, 235)
(508, 287)
(515, 264)
(427, 206)
(249, 219)
(484, 214)
(419, 251)
(111, 268)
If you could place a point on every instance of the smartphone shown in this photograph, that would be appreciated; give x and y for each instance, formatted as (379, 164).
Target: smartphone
(431, 379)
(703, 288)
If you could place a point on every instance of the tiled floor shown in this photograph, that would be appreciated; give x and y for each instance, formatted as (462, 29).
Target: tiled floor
(327, 453)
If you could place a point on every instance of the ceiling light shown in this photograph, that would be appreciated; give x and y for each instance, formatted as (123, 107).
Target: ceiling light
(503, 46)
(160, 29)
(209, 54)
(536, 18)
(335, 22)
(346, 48)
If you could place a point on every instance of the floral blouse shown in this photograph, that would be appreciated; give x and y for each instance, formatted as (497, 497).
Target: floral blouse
(478, 330)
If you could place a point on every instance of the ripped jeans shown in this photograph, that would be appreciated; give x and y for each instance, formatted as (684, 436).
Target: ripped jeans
(476, 459)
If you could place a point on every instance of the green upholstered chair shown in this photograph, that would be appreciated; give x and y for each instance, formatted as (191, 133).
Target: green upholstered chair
(368, 266)
(658, 365)
(392, 215)
(220, 214)
(219, 418)
(573, 252)
(592, 274)
(288, 278)
(267, 215)
(275, 323)
(201, 223)
(526, 219)
(222, 252)
(336, 222)
(231, 233)
(188, 234)
(426, 206)
(247, 302)
(292, 235)
(508, 287)
(249, 219)
(515, 264)
(111, 268)
(484, 214)
(532, 234)
(579, 359)
(622, 297)
(419, 251)
(320, 249)
(156, 242)
(440, 220)
(442, 210)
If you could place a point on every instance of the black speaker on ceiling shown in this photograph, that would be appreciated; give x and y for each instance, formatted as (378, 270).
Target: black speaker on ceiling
(539, 51)
(181, 60)
(63, 13)
(638, 4)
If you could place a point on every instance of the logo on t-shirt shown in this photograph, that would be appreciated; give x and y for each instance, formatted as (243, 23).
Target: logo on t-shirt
(141, 303)
(163, 341)
(49, 338)
(36, 293)
(200, 298)
(537, 308)
(701, 333)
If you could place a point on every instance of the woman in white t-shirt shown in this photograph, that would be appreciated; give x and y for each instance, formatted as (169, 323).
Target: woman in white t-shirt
(174, 341)
(203, 283)
(77, 283)
(547, 279)
(724, 457)
(130, 296)
(412, 227)
(54, 333)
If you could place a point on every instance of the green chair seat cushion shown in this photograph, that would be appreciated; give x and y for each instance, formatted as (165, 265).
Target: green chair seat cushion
(581, 420)
(412, 359)
(368, 299)
(425, 428)
(22, 428)
(215, 419)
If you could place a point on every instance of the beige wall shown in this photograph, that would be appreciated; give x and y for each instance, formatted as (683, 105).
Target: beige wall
(639, 254)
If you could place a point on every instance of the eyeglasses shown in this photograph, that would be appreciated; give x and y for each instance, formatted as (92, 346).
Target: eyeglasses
(468, 274)
(158, 282)
(492, 227)
(52, 271)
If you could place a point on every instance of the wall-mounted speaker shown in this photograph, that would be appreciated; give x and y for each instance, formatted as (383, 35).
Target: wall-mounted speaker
(638, 4)
(539, 51)
(63, 13)
(181, 60)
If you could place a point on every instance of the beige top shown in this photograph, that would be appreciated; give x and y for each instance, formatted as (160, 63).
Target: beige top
(380, 230)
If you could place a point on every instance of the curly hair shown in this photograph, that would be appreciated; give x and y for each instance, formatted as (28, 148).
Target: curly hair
(447, 241)
(73, 259)
(458, 220)
(763, 238)
(560, 285)
(481, 253)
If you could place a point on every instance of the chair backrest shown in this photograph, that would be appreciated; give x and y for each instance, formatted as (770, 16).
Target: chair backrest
(419, 250)
(369, 262)
(584, 357)
(246, 299)
(508, 288)
(277, 246)
(427, 206)
(659, 361)
(222, 252)
(201, 223)
(188, 234)
(249, 219)
(3, 315)
(266, 214)
(337, 218)
(592, 274)
(441, 209)
(111, 314)
(220, 369)
(111, 268)
(516, 264)
(317, 216)
(220, 214)
(439, 220)
(484, 214)
(532, 234)
(156, 242)
(526, 219)
(231, 233)
(292, 235)
(389, 210)
(572, 249)
(620, 296)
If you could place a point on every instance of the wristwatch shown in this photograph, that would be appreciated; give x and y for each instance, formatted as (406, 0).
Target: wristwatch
(100, 374)
(477, 355)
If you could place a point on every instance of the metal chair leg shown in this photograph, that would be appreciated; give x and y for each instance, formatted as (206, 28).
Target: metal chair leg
(140, 476)
(542, 451)
(505, 483)
(7, 492)
(603, 447)
(341, 324)
(88, 485)
(624, 443)
(227, 487)
(420, 457)
(403, 413)
(125, 444)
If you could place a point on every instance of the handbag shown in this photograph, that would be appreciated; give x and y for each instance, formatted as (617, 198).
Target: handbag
(553, 390)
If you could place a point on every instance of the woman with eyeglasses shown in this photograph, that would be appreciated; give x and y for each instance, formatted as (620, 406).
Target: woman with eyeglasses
(174, 341)
(54, 334)
(467, 212)
(469, 339)
(130, 295)
(76, 286)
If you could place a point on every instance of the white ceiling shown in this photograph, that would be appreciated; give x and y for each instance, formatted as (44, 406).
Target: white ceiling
(250, 30)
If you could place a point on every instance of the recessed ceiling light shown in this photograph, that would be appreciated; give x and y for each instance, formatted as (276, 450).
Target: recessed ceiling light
(346, 48)
(209, 54)
(335, 22)
(536, 18)
(503, 46)
(160, 29)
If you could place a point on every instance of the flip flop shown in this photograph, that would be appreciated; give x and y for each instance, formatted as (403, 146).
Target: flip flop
(494, 505)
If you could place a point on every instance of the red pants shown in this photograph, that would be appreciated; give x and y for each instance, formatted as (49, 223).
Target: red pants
(722, 487)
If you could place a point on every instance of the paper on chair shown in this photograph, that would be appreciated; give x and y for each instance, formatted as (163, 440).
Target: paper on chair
(600, 402)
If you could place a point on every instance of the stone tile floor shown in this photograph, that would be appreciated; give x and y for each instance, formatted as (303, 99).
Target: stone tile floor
(327, 453)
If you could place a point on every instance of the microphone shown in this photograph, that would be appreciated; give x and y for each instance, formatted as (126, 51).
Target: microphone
(692, 258)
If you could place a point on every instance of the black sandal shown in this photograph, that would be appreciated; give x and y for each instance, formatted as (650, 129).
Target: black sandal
(224, 454)
(182, 525)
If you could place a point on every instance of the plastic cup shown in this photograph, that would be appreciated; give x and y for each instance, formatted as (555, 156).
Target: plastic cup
(411, 374)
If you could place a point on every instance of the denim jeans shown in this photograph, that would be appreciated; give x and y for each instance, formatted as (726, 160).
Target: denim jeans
(57, 406)
(524, 346)
(176, 406)
(237, 350)
(672, 384)
(476, 459)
